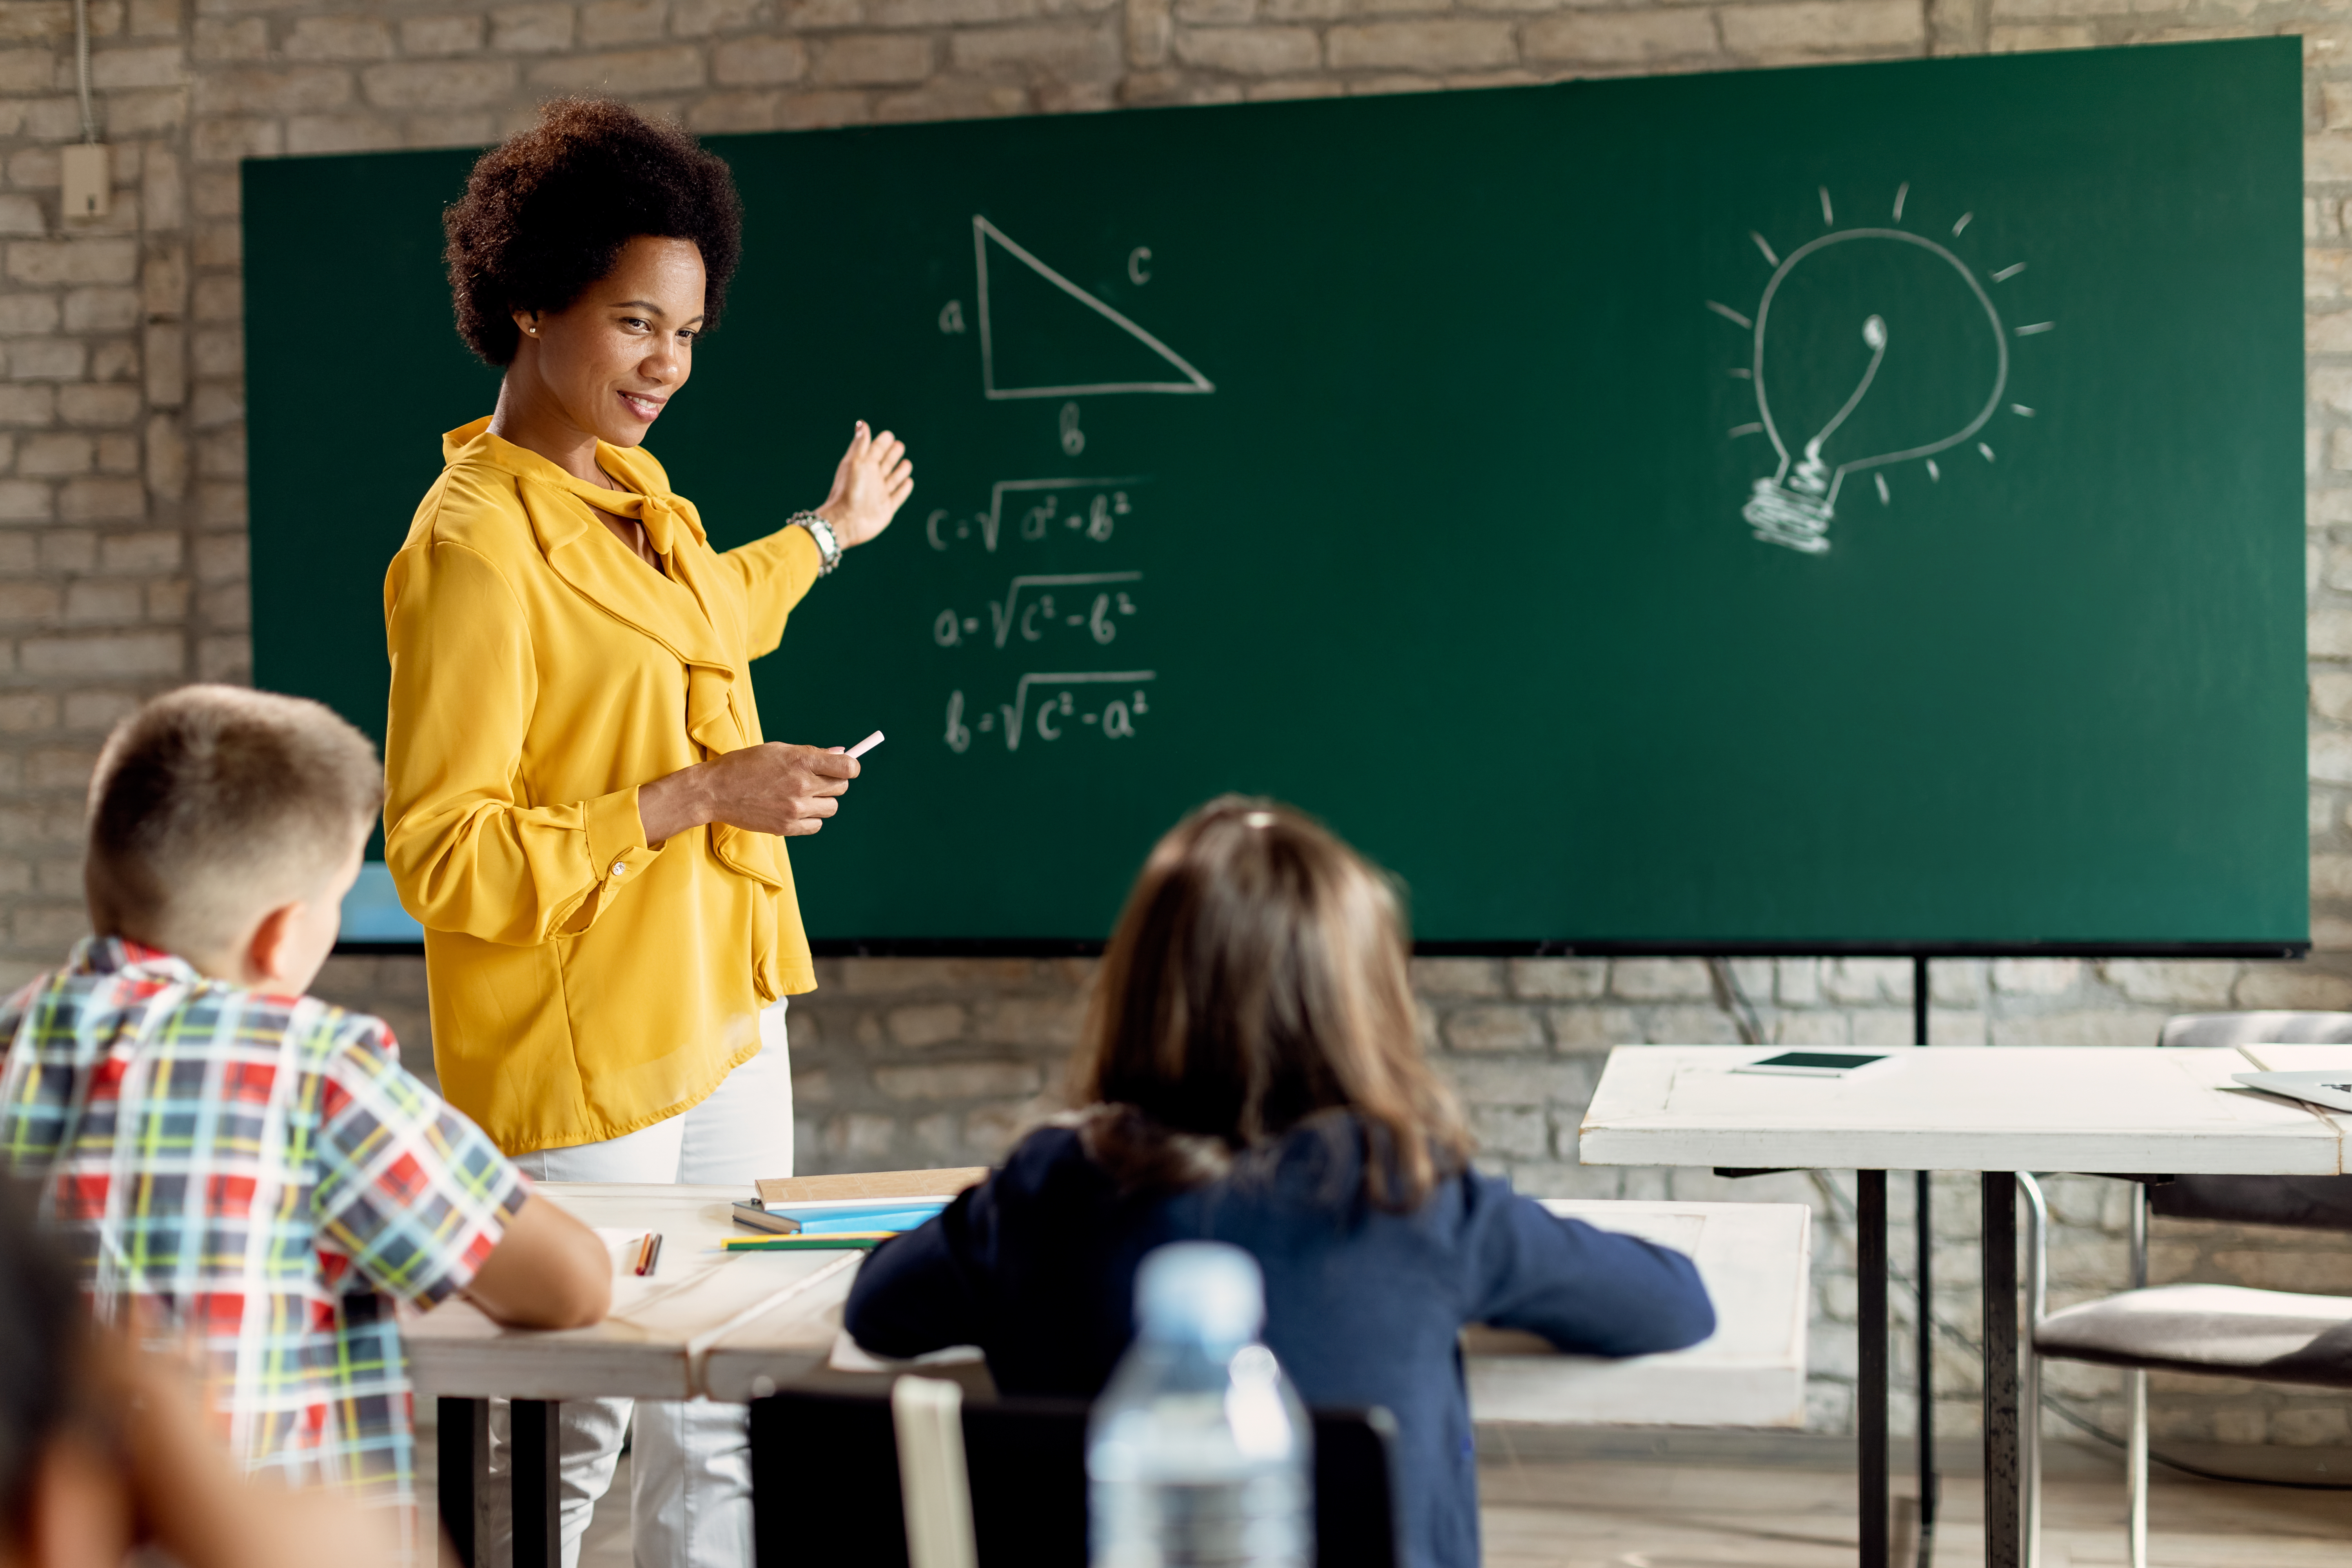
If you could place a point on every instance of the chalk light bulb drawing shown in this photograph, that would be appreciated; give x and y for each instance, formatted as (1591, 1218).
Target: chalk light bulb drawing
(1795, 505)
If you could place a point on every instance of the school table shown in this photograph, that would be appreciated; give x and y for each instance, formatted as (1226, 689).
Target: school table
(733, 1326)
(649, 1347)
(1750, 1372)
(1997, 1111)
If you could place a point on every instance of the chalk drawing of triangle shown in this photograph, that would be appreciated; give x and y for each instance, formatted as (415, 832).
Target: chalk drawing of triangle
(1034, 344)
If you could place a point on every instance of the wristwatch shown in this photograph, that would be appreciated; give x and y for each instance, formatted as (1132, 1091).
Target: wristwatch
(827, 545)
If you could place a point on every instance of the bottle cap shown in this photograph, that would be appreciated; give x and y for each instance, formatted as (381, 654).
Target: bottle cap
(1200, 1289)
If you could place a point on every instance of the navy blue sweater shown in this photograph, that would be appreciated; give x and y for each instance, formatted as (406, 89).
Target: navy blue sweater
(1036, 1266)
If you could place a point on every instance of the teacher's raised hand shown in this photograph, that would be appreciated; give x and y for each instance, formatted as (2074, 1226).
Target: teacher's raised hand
(872, 482)
(788, 791)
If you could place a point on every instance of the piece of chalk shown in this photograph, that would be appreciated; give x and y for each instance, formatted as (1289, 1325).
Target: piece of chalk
(866, 744)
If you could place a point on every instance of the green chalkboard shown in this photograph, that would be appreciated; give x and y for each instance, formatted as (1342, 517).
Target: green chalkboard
(1854, 508)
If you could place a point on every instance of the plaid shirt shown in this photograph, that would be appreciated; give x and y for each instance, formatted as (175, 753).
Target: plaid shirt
(262, 1172)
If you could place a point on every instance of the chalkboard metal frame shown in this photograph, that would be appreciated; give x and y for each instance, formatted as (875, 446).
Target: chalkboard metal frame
(2230, 774)
(1073, 947)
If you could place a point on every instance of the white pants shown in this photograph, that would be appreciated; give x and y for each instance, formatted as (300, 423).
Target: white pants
(690, 1464)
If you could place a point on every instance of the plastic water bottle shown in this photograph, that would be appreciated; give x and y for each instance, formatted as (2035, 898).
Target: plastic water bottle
(1198, 1452)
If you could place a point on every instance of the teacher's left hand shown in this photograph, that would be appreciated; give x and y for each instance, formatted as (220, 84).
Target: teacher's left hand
(872, 483)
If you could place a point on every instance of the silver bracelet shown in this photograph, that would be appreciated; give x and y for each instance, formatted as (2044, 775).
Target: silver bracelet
(828, 546)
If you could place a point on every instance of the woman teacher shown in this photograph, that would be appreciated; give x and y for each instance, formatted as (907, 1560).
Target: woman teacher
(582, 811)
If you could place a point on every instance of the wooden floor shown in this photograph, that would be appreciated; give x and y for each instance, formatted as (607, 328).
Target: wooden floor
(1685, 1513)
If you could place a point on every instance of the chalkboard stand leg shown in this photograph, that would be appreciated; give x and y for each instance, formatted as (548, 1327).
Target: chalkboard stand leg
(1870, 1404)
(1925, 1238)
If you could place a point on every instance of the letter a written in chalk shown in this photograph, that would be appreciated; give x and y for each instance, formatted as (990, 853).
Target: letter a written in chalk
(1041, 335)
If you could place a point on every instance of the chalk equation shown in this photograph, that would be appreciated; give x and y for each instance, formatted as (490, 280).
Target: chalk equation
(1039, 509)
(1043, 613)
(1069, 703)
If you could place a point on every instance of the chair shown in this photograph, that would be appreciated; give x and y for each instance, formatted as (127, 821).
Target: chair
(2274, 1336)
(825, 1482)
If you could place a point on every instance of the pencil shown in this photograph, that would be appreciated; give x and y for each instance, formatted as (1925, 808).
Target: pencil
(651, 1256)
(823, 1241)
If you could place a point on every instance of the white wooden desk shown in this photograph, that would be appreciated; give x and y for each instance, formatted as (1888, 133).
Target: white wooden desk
(1757, 1261)
(1750, 1372)
(2137, 1111)
(719, 1325)
(650, 1347)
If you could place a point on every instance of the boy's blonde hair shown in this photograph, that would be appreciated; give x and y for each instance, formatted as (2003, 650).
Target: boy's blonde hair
(1255, 982)
(212, 805)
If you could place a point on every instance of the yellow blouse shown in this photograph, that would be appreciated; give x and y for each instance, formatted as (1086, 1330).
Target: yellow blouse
(584, 984)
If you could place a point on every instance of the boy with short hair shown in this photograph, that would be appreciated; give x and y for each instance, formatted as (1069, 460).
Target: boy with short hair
(250, 1164)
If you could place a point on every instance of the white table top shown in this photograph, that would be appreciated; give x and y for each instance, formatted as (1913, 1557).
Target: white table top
(652, 1346)
(1753, 1257)
(2020, 1107)
(716, 1324)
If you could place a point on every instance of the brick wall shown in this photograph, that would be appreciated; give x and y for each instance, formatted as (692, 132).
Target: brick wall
(122, 553)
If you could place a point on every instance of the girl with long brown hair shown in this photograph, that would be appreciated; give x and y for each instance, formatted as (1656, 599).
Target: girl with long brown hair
(1252, 1073)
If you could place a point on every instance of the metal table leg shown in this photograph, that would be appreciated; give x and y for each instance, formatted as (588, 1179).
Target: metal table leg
(2004, 1534)
(535, 1451)
(464, 1465)
(1870, 1397)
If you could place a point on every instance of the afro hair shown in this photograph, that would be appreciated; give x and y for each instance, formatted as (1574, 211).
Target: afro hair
(546, 212)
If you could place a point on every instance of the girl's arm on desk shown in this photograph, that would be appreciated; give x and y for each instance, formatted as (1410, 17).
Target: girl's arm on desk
(922, 1291)
(1584, 1290)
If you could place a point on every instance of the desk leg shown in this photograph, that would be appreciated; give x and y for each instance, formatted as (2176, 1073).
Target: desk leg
(535, 1451)
(2004, 1533)
(1870, 1327)
(465, 1465)
(1926, 1353)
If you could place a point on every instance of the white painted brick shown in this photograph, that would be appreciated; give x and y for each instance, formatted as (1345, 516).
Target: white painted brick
(227, 658)
(154, 653)
(28, 406)
(160, 64)
(2292, 985)
(623, 71)
(1420, 46)
(531, 29)
(49, 261)
(2036, 976)
(93, 405)
(958, 1080)
(24, 500)
(425, 37)
(2188, 985)
(1565, 979)
(231, 38)
(447, 84)
(758, 61)
(1823, 26)
(92, 499)
(1490, 1028)
(1660, 979)
(1625, 38)
(1249, 51)
(53, 456)
(607, 22)
(153, 551)
(699, 19)
(291, 89)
